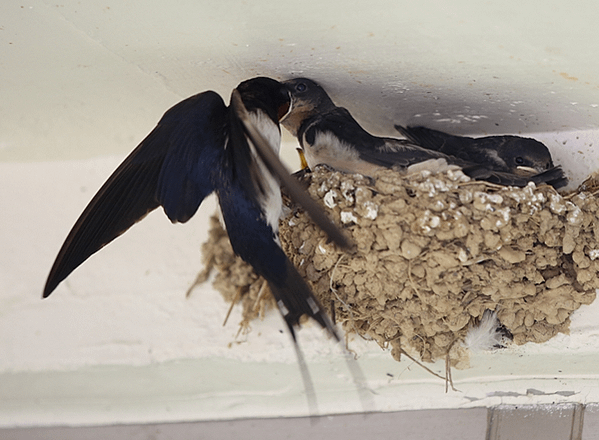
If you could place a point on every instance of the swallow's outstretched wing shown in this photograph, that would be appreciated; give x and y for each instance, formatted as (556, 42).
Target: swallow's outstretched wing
(171, 167)
(200, 146)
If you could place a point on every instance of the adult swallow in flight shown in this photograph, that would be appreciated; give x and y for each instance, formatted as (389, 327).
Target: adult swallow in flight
(512, 154)
(201, 146)
(330, 135)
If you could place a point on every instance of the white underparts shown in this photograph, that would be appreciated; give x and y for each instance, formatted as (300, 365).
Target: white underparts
(270, 199)
(328, 149)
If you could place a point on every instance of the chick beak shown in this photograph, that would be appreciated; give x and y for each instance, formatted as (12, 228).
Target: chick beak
(303, 161)
(526, 171)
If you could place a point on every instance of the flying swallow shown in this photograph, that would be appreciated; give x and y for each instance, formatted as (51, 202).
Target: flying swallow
(201, 146)
(330, 135)
(512, 154)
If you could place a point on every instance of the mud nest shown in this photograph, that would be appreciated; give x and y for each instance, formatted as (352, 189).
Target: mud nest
(431, 254)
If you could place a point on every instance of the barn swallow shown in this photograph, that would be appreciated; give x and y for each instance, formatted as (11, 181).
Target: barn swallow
(330, 135)
(512, 154)
(201, 146)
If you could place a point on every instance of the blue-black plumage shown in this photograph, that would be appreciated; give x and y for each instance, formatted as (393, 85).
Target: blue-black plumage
(330, 135)
(507, 153)
(201, 146)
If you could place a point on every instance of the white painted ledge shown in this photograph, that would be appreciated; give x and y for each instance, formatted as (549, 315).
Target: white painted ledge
(119, 343)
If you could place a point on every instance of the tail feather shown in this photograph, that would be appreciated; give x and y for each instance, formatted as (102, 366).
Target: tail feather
(295, 299)
(554, 177)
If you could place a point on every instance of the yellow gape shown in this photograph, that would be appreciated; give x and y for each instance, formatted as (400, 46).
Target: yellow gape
(303, 162)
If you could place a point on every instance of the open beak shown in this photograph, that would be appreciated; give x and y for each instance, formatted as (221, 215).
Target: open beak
(284, 110)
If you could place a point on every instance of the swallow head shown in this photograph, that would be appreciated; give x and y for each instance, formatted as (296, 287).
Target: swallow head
(266, 95)
(525, 156)
(308, 99)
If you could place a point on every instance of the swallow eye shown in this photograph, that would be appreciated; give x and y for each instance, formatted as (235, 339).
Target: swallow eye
(301, 87)
(519, 160)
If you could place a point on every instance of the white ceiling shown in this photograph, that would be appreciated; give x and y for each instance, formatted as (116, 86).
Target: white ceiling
(92, 78)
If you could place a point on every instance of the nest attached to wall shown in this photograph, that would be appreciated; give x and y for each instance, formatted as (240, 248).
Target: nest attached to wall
(432, 253)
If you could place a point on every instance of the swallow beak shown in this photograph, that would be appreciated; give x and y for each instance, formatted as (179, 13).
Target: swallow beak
(527, 171)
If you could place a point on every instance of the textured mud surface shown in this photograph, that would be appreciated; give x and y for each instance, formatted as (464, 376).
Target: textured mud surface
(432, 253)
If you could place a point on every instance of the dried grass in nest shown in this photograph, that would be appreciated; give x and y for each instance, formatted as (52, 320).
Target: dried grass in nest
(234, 279)
(432, 253)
